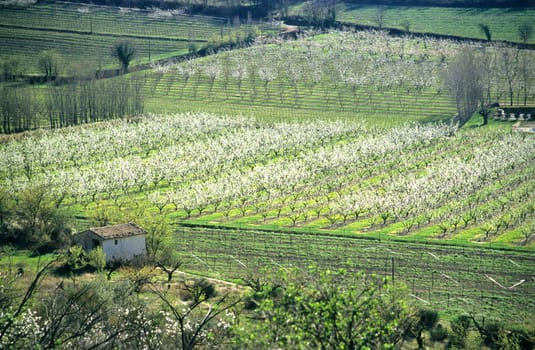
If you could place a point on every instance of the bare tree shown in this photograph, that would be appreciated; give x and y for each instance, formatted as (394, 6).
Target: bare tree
(322, 12)
(508, 58)
(124, 52)
(169, 262)
(527, 69)
(406, 25)
(463, 79)
(485, 30)
(487, 65)
(525, 31)
(49, 63)
(196, 318)
(18, 109)
(379, 17)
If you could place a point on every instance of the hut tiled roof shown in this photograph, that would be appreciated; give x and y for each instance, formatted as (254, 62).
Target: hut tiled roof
(118, 231)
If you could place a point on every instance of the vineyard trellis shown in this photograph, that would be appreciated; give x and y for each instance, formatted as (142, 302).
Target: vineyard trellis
(89, 31)
(455, 280)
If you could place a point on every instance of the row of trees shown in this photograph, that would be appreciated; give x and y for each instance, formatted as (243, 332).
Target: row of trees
(156, 141)
(94, 101)
(300, 172)
(18, 109)
(476, 87)
(74, 97)
(351, 68)
(69, 104)
(343, 62)
(52, 65)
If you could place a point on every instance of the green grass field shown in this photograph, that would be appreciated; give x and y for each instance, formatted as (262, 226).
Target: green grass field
(462, 22)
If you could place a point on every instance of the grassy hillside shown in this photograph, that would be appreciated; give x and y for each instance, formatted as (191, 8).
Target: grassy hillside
(87, 32)
(462, 22)
(337, 75)
(362, 75)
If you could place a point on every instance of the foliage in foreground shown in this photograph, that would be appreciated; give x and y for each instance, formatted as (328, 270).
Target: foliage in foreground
(32, 220)
(340, 309)
(82, 314)
(287, 308)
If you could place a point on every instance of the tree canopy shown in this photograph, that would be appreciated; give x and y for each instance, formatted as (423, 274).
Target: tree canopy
(123, 51)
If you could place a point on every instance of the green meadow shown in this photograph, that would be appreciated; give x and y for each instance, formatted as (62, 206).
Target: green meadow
(461, 22)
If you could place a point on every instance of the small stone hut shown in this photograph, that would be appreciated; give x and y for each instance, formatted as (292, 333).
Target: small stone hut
(119, 242)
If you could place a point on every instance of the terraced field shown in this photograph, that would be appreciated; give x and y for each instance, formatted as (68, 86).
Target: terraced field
(353, 75)
(93, 49)
(88, 32)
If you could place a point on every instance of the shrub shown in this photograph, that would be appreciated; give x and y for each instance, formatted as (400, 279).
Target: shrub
(76, 258)
(97, 258)
(492, 332)
(198, 290)
(438, 333)
(459, 332)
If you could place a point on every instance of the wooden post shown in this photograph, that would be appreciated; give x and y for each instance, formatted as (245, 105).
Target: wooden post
(393, 270)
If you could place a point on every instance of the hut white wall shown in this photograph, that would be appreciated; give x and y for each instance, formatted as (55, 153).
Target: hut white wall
(124, 248)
